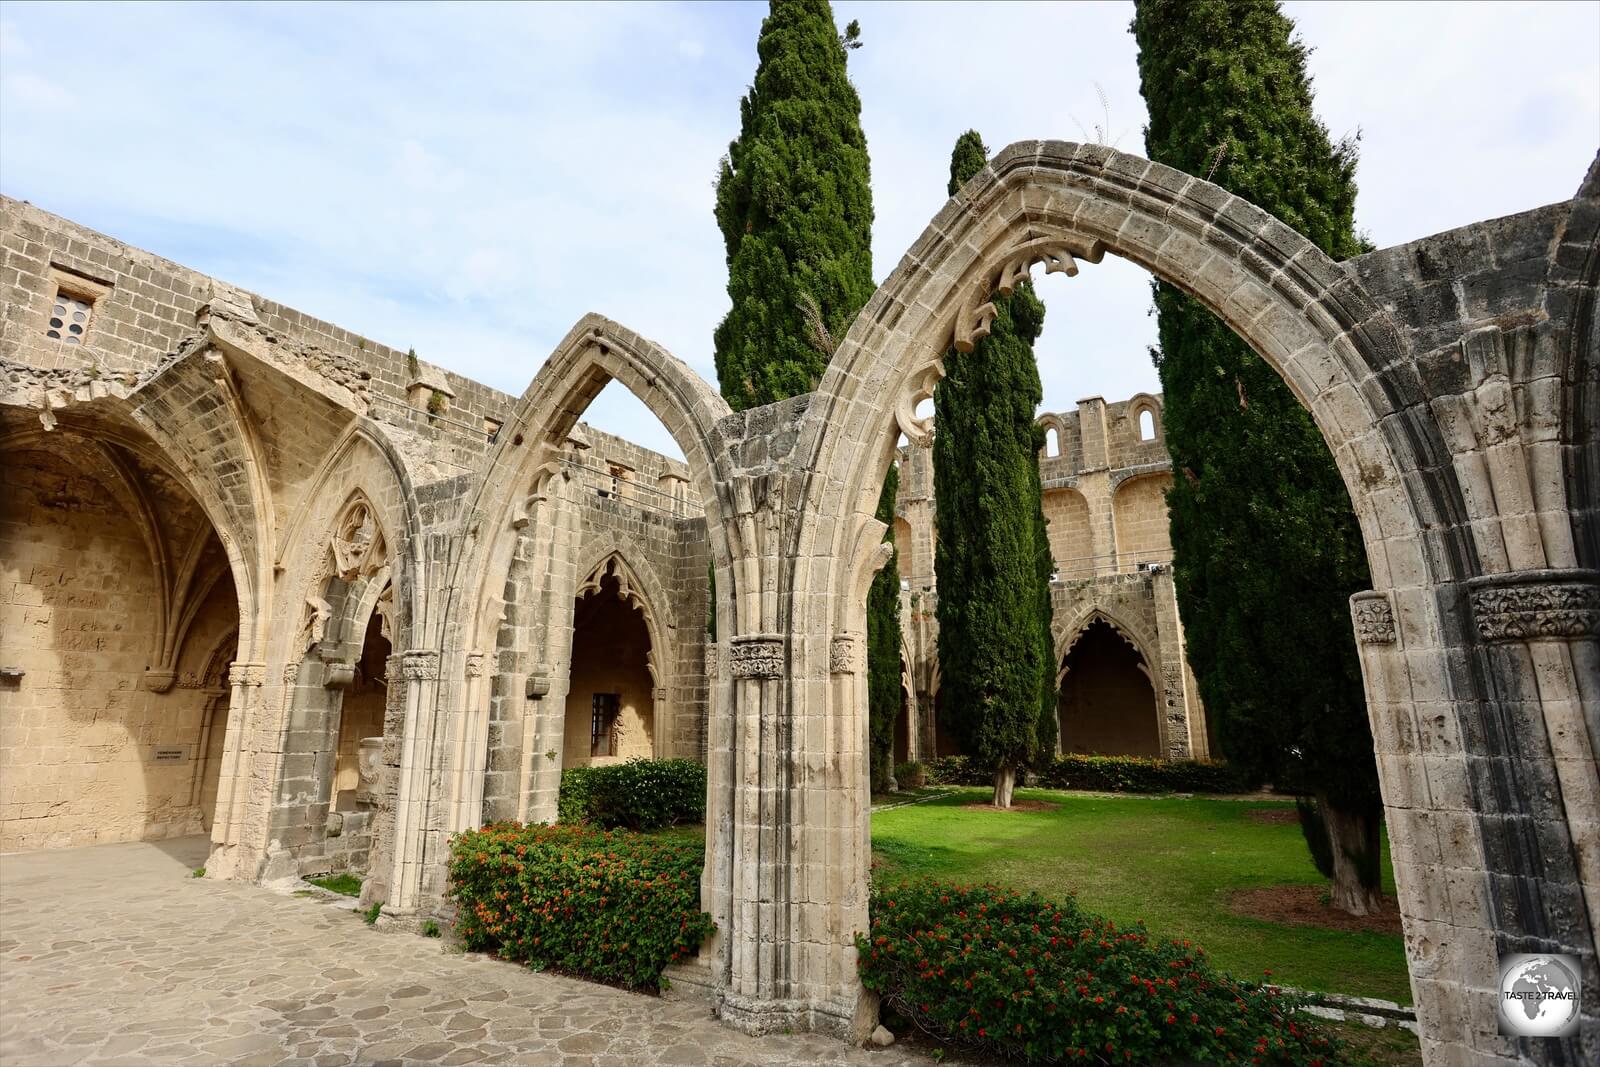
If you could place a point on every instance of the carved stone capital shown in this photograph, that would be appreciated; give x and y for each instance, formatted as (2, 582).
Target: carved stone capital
(538, 684)
(475, 664)
(757, 656)
(339, 676)
(1537, 604)
(419, 663)
(844, 654)
(247, 674)
(1373, 617)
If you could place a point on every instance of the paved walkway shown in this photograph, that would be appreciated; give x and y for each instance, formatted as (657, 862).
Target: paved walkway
(113, 955)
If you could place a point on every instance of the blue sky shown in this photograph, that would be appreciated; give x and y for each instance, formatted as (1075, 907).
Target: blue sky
(471, 179)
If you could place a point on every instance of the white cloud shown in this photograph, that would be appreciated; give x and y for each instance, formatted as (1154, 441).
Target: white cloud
(472, 180)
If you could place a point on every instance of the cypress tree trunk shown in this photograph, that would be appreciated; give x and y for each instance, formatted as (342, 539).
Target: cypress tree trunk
(1266, 549)
(1356, 854)
(992, 559)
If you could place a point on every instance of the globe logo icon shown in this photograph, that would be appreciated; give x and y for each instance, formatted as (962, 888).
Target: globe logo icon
(1539, 995)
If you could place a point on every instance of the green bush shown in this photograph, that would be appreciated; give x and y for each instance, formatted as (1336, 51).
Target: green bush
(577, 787)
(911, 775)
(610, 905)
(1141, 774)
(1111, 774)
(1044, 982)
(641, 794)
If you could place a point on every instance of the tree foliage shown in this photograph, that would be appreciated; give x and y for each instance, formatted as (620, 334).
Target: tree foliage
(1266, 549)
(992, 557)
(794, 203)
(883, 648)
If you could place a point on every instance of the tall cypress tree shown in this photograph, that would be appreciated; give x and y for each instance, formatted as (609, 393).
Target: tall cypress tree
(992, 558)
(1266, 549)
(794, 202)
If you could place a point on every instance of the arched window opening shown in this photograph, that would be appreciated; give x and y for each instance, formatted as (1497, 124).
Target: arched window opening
(1052, 443)
(361, 721)
(1147, 425)
(1107, 704)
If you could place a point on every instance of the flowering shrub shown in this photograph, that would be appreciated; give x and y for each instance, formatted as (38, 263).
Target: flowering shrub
(609, 905)
(641, 794)
(1112, 774)
(1025, 977)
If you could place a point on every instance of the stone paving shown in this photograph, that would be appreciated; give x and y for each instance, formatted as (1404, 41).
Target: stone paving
(113, 954)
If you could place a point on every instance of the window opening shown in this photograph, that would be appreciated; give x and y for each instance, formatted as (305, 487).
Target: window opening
(604, 710)
(69, 318)
(1147, 425)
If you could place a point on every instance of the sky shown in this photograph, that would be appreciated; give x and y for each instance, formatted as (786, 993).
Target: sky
(470, 180)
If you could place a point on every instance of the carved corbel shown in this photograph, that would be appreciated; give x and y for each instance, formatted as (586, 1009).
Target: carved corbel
(1060, 255)
(538, 492)
(919, 430)
(1373, 617)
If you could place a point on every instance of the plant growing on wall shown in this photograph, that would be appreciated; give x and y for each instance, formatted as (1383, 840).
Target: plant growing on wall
(794, 203)
(1266, 549)
(992, 557)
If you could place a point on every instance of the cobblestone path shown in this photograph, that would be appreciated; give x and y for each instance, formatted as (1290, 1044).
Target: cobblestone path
(112, 954)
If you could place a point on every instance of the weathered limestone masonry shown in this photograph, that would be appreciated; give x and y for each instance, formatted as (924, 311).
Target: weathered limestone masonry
(1456, 381)
(1105, 472)
(224, 528)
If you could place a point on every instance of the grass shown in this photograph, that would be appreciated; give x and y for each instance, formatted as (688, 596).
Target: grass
(344, 884)
(1366, 1047)
(1170, 862)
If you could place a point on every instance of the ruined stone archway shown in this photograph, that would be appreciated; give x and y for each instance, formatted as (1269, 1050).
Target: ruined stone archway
(506, 627)
(1433, 682)
(121, 611)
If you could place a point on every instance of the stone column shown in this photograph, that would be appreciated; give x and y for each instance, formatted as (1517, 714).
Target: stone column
(408, 745)
(471, 748)
(1542, 628)
(237, 840)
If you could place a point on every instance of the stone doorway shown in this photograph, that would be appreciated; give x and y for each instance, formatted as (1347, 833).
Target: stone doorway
(1106, 703)
(610, 700)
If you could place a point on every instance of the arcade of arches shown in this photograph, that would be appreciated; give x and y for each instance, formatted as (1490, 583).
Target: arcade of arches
(263, 576)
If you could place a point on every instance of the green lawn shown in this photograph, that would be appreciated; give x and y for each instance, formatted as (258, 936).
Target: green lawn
(1171, 862)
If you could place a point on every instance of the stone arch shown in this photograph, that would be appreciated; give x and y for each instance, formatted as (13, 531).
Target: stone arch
(1139, 519)
(1138, 405)
(138, 555)
(639, 585)
(1339, 351)
(511, 590)
(353, 554)
(1068, 527)
(1107, 692)
(1054, 430)
(1143, 641)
